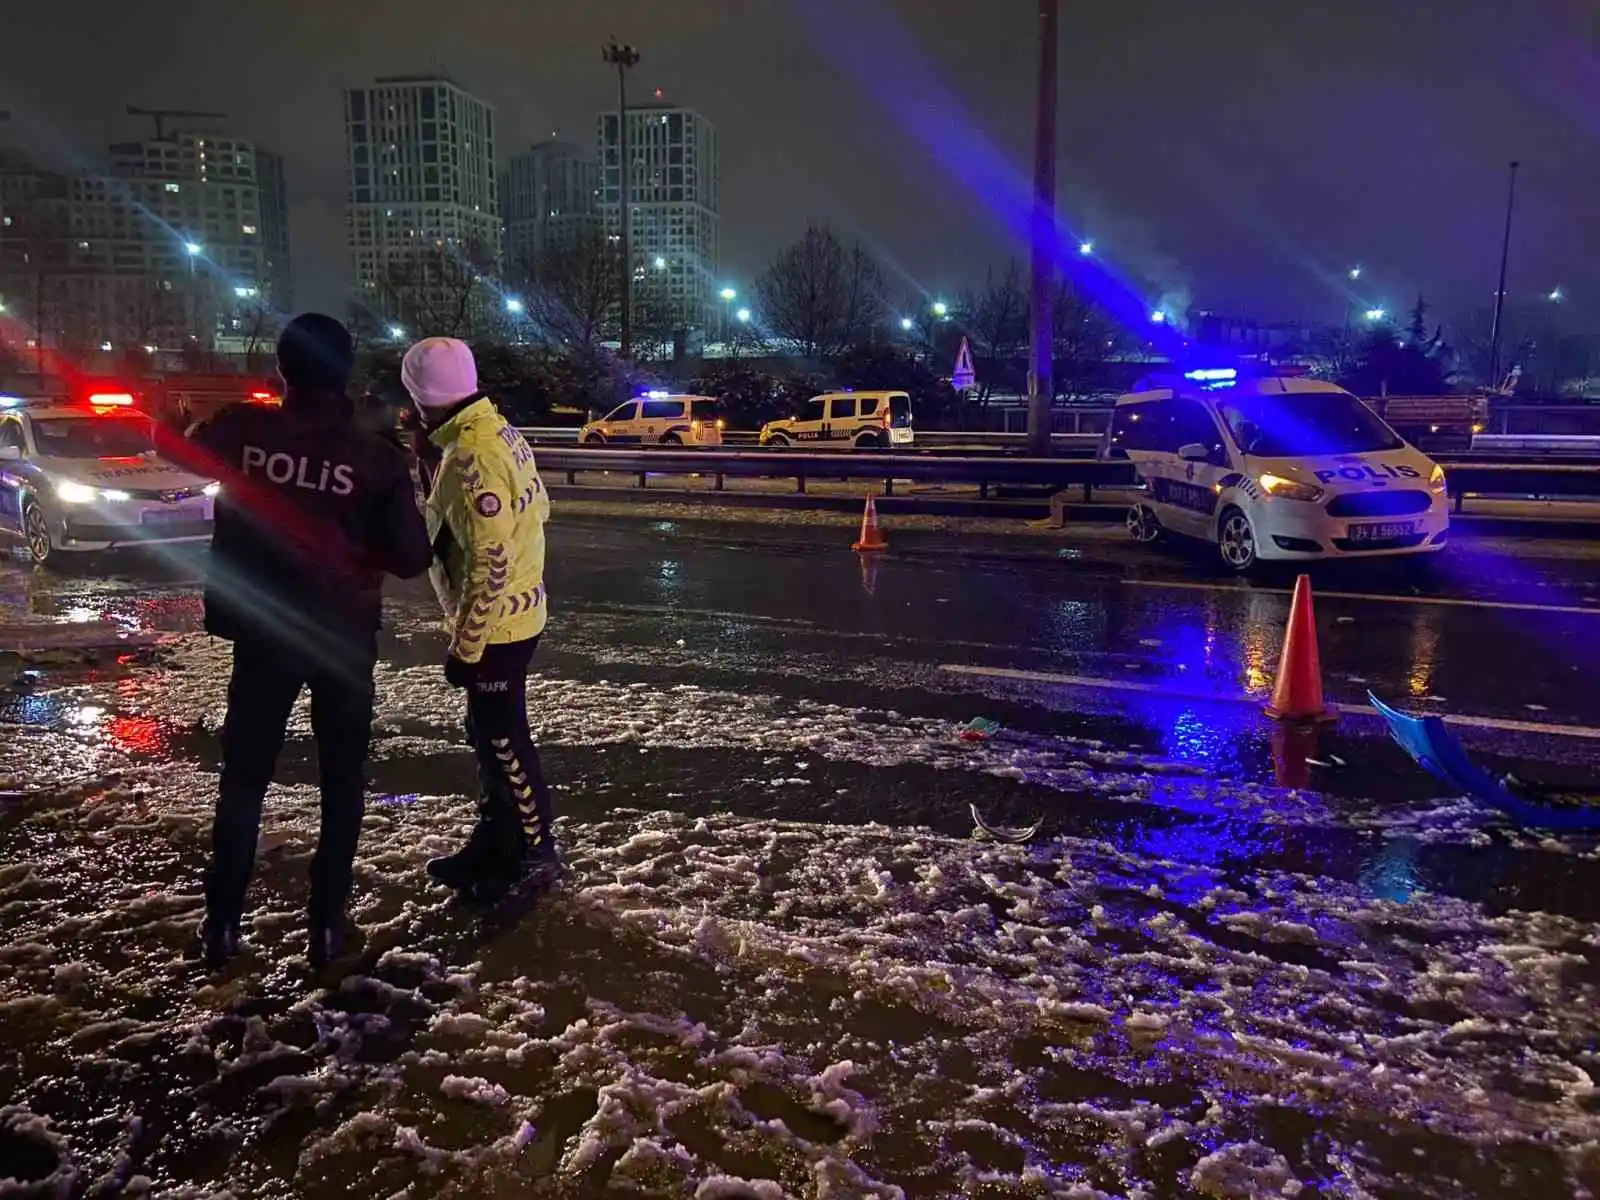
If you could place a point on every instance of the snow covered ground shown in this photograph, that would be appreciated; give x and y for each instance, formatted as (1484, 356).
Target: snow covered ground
(740, 992)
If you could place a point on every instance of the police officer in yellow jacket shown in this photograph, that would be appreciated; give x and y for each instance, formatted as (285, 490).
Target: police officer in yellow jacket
(485, 514)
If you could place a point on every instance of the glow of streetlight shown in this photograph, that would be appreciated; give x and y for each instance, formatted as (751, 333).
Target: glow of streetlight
(729, 294)
(1158, 316)
(744, 316)
(1375, 314)
(396, 332)
(941, 309)
(906, 323)
(1555, 296)
(1355, 273)
(661, 263)
(191, 248)
(1086, 248)
(513, 305)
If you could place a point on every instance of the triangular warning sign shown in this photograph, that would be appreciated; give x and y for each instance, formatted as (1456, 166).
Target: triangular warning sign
(964, 378)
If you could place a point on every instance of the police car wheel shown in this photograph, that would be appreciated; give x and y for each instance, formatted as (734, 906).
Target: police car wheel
(36, 534)
(868, 441)
(1144, 526)
(595, 439)
(671, 439)
(1236, 541)
(778, 442)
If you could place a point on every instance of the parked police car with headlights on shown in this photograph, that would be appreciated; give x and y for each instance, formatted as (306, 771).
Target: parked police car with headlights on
(84, 476)
(1275, 469)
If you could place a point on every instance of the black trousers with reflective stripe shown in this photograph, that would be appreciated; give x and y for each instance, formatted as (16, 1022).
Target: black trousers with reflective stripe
(509, 773)
(266, 683)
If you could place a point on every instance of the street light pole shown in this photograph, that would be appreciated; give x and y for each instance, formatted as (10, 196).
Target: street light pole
(1041, 388)
(1500, 292)
(624, 57)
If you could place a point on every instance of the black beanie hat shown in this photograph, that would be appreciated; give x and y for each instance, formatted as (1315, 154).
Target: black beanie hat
(315, 350)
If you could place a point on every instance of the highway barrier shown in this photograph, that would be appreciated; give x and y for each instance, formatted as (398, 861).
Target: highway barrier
(1545, 480)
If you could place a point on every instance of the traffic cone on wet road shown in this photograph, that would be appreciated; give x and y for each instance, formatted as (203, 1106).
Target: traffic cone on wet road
(1297, 692)
(871, 539)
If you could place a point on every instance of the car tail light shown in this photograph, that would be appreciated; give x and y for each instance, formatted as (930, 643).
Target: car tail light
(888, 419)
(721, 424)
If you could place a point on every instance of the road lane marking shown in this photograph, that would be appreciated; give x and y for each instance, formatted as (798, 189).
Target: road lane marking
(1164, 688)
(1451, 601)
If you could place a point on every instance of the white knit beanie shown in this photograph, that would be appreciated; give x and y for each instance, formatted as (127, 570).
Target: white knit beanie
(439, 372)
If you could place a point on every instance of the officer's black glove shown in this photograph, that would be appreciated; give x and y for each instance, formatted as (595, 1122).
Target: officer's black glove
(459, 674)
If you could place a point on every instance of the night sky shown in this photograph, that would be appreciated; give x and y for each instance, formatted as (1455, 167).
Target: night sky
(1238, 156)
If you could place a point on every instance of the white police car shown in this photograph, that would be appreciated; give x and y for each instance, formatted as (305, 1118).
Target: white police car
(1275, 468)
(84, 476)
(658, 419)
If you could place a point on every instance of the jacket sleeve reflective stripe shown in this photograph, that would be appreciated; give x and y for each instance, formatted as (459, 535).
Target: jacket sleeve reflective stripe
(487, 528)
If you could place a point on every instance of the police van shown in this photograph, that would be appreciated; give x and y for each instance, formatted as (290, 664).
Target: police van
(845, 420)
(658, 419)
(82, 475)
(1274, 468)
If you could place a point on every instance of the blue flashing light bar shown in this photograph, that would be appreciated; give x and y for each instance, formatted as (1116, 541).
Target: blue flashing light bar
(1212, 374)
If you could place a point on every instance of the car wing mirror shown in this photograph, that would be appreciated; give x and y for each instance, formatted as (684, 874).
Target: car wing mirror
(1194, 452)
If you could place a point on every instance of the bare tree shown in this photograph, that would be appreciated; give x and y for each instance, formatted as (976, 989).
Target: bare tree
(440, 292)
(574, 291)
(822, 295)
(261, 329)
(655, 322)
(1083, 338)
(997, 317)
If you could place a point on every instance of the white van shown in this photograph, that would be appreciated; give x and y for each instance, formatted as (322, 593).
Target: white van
(658, 419)
(1275, 469)
(845, 420)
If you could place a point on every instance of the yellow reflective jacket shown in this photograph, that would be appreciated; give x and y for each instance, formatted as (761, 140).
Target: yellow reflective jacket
(486, 517)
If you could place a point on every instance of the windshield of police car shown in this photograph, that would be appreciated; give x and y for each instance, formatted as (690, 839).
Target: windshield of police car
(93, 437)
(1305, 425)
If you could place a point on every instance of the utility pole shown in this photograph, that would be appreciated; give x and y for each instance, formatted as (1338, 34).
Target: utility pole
(624, 57)
(1041, 384)
(1500, 292)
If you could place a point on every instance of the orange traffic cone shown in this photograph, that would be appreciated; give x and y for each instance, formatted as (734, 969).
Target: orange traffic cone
(871, 539)
(1297, 693)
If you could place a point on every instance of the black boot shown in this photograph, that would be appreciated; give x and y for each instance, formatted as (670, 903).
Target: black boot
(325, 944)
(215, 942)
(528, 861)
(463, 868)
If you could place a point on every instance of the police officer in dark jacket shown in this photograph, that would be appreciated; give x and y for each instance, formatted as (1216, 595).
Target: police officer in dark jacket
(313, 511)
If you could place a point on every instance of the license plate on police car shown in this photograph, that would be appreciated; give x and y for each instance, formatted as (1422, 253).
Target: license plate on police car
(173, 516)
(1382, 532)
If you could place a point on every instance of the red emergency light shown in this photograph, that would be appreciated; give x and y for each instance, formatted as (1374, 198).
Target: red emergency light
(111, 400)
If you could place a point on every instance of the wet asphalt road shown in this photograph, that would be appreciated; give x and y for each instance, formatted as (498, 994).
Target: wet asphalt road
(787, 611)
(735, 673)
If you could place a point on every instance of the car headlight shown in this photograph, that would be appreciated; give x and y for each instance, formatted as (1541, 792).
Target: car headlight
(211, 489)
(1436, 480)
(74, 493)
(114, 497)
(1289, 489)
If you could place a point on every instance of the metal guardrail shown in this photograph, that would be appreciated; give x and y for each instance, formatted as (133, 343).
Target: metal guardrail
(933, 439)
(987, 471)
(1539, 481)
(1535, 480)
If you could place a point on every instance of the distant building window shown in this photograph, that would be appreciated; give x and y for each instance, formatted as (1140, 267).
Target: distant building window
(173, 187)
(247, 229)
